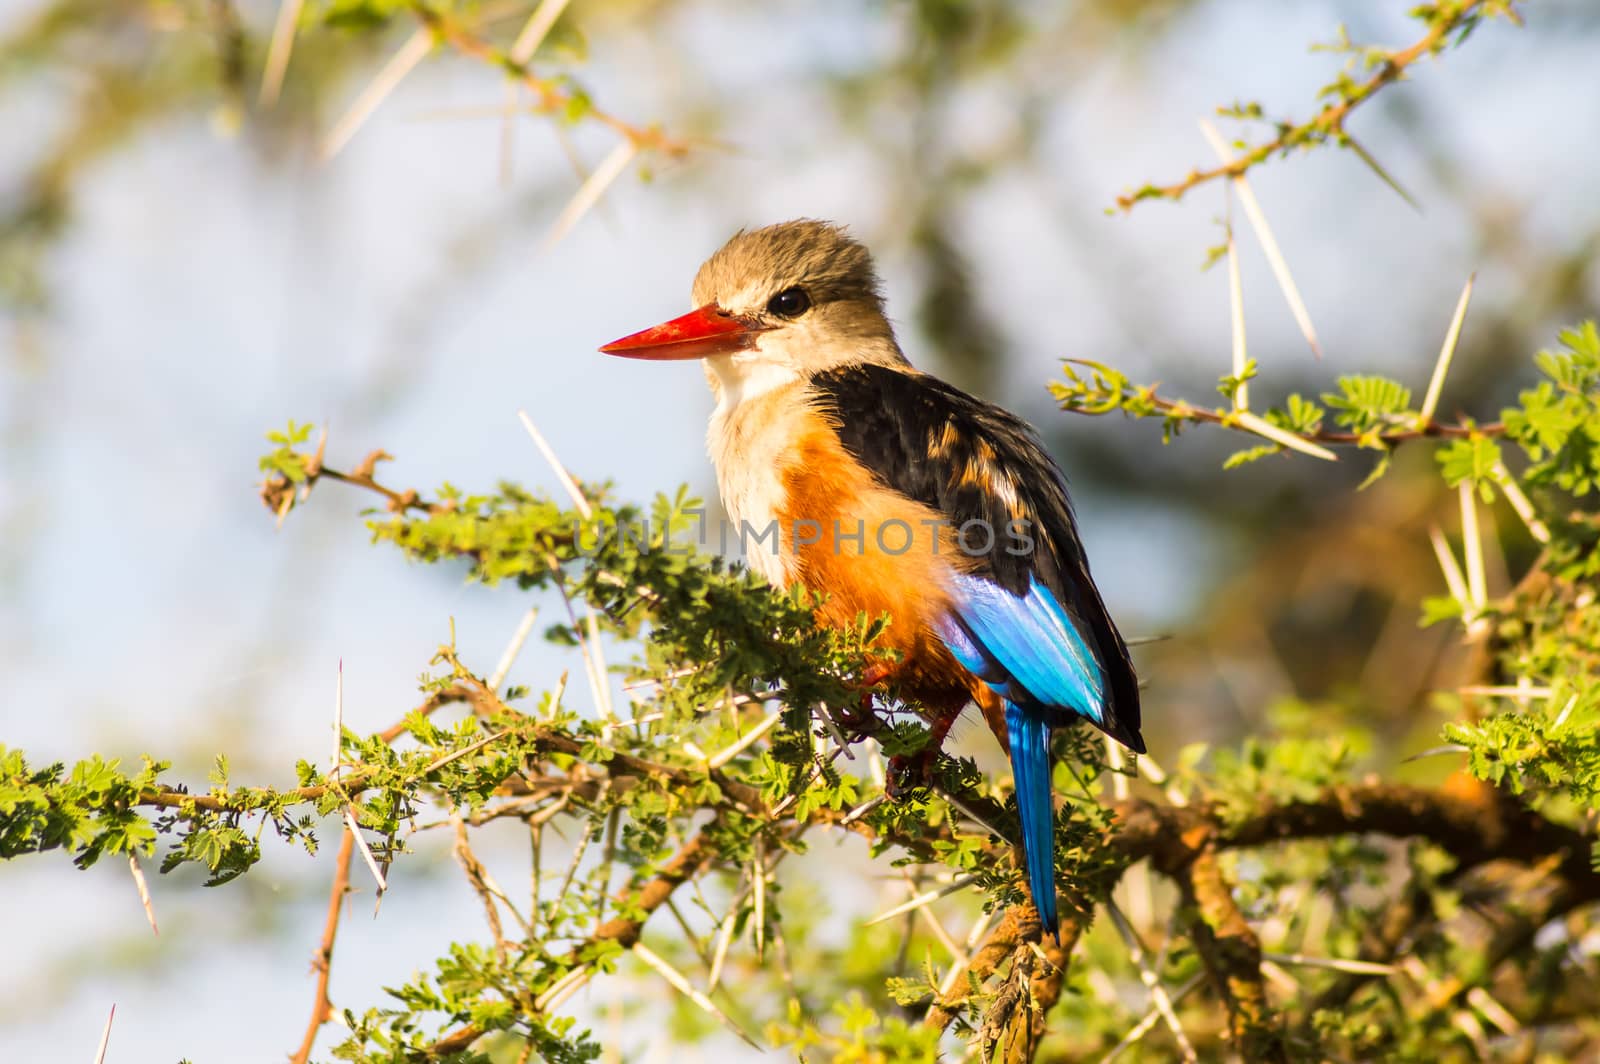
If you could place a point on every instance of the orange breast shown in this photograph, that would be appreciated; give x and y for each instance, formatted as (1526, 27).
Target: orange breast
(874, 551)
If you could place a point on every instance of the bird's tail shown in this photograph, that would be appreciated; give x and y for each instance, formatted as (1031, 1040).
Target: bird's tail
(1029, 732)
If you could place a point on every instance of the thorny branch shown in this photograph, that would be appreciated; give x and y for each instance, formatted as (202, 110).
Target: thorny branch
(1184, 843)
(551, 97)
(322, 1007)
(1329, 124)
(1231, 953)
(1178, 410)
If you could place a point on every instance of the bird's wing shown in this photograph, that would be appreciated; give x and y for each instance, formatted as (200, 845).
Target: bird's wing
(1029, 620)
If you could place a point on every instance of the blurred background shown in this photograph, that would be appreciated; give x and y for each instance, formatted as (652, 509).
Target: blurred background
(183, 269)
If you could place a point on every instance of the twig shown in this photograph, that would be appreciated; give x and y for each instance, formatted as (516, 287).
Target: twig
(1151, 1018)
(967, 811)
(607, 861)
(564, 478)
(1336, 964)
(719, 955)
(982, 964)
(514, 648)
(864, 808)
(338, 724)
(758, 880)
(322, 962)
(1430, 402)
(354, 832)
(959, 883)
(105, 1036)
(1269, 243)
(1492, 1010)
(1179, 410)
(1262, 427)
(682, 985)
(572, 869)
(403, 62)
(935, 925)
(1501, 690)
(701, 949)
(1329, 122)
(1241, 393)
(963, 961)
(1151, 980)
(598, 688)
(528, 40)
(754, 735)
(144, 891)
(278, 52)
(549, 93)
(1472, 546)
(1519, 502)
(1453, 578)
(559, 991)
(455, 755)
(484, 886)
(589, 193)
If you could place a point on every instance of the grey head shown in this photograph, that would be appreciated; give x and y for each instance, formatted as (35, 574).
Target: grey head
(815, 295)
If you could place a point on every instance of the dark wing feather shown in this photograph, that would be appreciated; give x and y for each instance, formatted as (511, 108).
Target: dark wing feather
(950, 451)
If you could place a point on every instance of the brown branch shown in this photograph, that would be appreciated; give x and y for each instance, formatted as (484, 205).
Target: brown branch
(552, 98)
(1327, 124)
(278, 491)
(1475, 826)
(478, 879)
(1046, 984)
(1002, 940)
(544, 740)
(1231, 954)
(322, 1007)
(1183, 411)
(683, 866)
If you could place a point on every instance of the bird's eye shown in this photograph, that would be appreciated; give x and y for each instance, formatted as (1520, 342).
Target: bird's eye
(789, 303)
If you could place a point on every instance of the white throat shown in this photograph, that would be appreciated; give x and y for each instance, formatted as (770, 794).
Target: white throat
(745, 375)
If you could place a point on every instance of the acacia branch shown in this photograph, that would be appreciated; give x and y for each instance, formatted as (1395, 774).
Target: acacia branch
(1178, 410)
(544, 740)
(1002, 941)
(551, 96)
(1182, 842)
(1475, 827)
(684, 865)
(1327, 124)
(322, 1007)
(1231, 953)
(278, 491)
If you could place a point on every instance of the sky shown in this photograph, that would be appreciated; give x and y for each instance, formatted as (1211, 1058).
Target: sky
(401, 295)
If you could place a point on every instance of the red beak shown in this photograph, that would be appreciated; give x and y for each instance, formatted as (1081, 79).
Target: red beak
(708, 330)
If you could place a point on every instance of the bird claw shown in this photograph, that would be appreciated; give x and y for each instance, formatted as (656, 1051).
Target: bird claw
(859, 718)
(908, 773)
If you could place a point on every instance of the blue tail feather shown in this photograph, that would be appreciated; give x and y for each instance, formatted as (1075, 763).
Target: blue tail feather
(1029, 732)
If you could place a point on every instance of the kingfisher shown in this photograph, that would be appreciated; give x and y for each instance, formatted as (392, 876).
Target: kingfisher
(894, 493)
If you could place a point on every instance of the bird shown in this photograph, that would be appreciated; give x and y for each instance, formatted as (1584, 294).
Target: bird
(887, 491)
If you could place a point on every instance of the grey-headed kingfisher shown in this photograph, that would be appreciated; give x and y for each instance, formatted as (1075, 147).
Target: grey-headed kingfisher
(895, 493)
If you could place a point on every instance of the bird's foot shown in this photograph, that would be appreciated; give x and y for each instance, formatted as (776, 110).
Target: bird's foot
(862, 718)
(907, 773)
(857, 718)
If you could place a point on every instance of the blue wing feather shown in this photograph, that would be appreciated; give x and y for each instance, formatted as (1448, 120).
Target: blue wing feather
(1028, 650)
(1024, 646)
